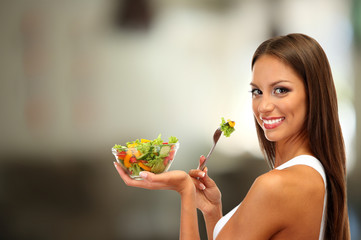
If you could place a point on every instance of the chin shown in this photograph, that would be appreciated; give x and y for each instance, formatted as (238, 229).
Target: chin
(272, 137)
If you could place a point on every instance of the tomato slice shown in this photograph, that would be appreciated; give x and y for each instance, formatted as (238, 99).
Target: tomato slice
(166, 161)
(121, 155)
(133, 160)
(171, 154)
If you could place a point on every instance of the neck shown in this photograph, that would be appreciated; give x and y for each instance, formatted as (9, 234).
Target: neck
(288, 149)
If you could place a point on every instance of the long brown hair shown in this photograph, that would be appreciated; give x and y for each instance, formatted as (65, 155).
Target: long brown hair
(322, 126)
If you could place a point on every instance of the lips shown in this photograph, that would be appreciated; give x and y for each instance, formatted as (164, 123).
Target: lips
(272, 122)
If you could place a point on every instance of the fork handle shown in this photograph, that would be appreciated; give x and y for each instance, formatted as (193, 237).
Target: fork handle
(203, 165)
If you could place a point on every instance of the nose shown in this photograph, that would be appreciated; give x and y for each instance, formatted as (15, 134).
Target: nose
(265, 105)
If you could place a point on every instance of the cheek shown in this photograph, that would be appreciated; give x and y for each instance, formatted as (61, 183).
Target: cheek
(303, 114)
(255, 108)
(297, 109)
(255, 112)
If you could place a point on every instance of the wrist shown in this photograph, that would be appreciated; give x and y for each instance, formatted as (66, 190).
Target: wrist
(214, 213)
(187, 188)
(211, 217)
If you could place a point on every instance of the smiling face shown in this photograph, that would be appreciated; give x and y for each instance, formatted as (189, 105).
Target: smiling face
(278, 99)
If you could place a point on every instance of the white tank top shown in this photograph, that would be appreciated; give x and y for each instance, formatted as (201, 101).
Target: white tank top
(299, 160)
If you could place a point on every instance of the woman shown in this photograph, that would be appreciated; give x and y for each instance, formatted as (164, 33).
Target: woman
(304, 195)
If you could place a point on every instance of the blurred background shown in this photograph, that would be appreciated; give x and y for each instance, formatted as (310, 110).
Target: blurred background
(77, 77)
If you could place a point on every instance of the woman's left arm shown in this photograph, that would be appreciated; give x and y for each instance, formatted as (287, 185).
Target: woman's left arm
(173, 180)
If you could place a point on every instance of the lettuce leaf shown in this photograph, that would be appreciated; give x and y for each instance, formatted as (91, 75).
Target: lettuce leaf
(172, 139)
(158, 140)
(226, 129)
(156, 164)
(134, 168)
(120, 148)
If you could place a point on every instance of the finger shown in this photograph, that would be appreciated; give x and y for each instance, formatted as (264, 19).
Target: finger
(198, 184)
(172, 180)
(124, 175)
(197, 177)
(202, 162)
(201, 186)
(196, 173)
(167, 180)
(128, 180)
(202, 159)
(151, 180)
(208, 182)
(121, 171)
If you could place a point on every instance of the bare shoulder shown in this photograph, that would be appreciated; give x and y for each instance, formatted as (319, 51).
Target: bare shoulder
(300, 190)
(284, 194)
(297, 182)
(279, 203)
(269, 189)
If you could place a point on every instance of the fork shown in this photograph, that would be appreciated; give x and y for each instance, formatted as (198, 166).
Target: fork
(217, 134)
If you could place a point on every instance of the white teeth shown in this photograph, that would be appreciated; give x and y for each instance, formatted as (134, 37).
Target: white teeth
(272, 121)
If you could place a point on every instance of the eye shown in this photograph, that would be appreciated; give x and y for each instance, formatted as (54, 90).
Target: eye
(280, 90)
(255, 92)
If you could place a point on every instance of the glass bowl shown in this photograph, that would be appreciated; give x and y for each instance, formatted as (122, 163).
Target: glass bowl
(155, 158)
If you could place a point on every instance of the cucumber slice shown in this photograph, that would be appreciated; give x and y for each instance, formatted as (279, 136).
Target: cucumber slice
(164, 151)
(143, 156)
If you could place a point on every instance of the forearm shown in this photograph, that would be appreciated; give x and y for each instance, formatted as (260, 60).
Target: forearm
(189, 221)
(211, 218)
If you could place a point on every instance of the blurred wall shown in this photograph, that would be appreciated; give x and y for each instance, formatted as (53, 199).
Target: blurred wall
(78, 77)
(355, 178)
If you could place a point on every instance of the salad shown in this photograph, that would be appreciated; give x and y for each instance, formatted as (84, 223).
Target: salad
(227, 127)
(146, 155)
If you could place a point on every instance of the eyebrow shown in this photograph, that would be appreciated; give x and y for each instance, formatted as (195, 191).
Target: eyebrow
(272, 84)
